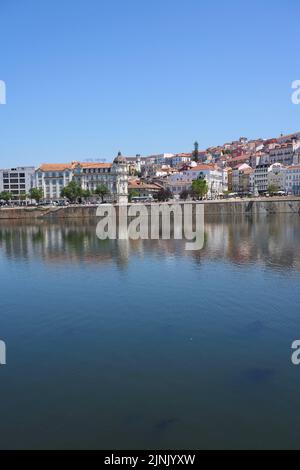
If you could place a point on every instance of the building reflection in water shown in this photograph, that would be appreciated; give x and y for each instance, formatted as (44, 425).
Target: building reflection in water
(273, 241)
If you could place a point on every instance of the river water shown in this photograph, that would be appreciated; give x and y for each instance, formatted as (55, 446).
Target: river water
(144, 345)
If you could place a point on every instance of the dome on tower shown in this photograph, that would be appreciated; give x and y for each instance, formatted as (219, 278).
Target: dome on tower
(120, 159)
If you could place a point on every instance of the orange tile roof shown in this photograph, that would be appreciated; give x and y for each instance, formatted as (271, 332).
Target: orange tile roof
(137, 184)
(70, 166)
(55, 166)
(203, 167)
(95, 165)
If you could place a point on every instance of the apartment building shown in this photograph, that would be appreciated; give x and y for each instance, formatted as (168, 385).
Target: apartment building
(242, 179)
(292, 181)
(17, 181)
(287, 153)
(180, 159)
(277, 176)
(261, 178)
(211, 173)
(159, 159)
(52, 178)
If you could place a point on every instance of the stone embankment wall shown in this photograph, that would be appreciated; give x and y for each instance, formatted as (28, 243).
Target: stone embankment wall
(240, 207)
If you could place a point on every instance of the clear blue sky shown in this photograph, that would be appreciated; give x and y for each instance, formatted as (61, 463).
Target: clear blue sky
(87, 78)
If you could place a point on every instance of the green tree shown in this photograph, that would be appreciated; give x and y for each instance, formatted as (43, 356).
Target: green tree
(6, 196)
(72, 191)
(184, 194)
(164, 195)
(36, 194)
(86, 193)
(102, 191)
(273, 188)
(23, 196)
(199, 188)
(133, 193)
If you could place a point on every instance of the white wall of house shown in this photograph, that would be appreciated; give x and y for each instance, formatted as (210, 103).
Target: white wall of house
(18, 181)
(277, 176)
(292, 180)
(261, 178)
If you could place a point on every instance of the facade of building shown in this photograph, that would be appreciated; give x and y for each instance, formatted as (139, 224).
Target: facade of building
(134, 165)
(242, 179)
(177, 187)
(17, 181)
(261, 178)
(277, 176)
(292, 181)
(91, 175)
(212, 174)
(143, 189)
(286, 153)
(52, 178)
(180, 159)
(159, 159)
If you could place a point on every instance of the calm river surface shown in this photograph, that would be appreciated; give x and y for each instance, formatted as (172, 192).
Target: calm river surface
(128, 345)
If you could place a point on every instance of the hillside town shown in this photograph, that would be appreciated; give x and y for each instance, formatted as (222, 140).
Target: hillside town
(242, 168)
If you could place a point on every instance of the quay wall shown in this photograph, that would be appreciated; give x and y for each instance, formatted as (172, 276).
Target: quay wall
(240, 207)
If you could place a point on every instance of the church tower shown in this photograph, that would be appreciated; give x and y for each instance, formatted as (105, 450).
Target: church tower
(120, 171)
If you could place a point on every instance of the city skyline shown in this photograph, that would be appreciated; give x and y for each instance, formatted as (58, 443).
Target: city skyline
(154, 82)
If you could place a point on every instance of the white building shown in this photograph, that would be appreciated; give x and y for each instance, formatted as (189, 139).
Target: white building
(261, 178)
(52, 178)
(242, 179)
(277, 176)
(134, 164)
(180, 159)
(91, 175)
(17, 181)
(292, 180)
(184, 179)
(286, 153)
(160, 159)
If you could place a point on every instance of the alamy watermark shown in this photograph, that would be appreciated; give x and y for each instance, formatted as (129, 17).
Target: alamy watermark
(296, 93)
(2, 353)
(296, 353)
(2, 92)
(153, 222)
